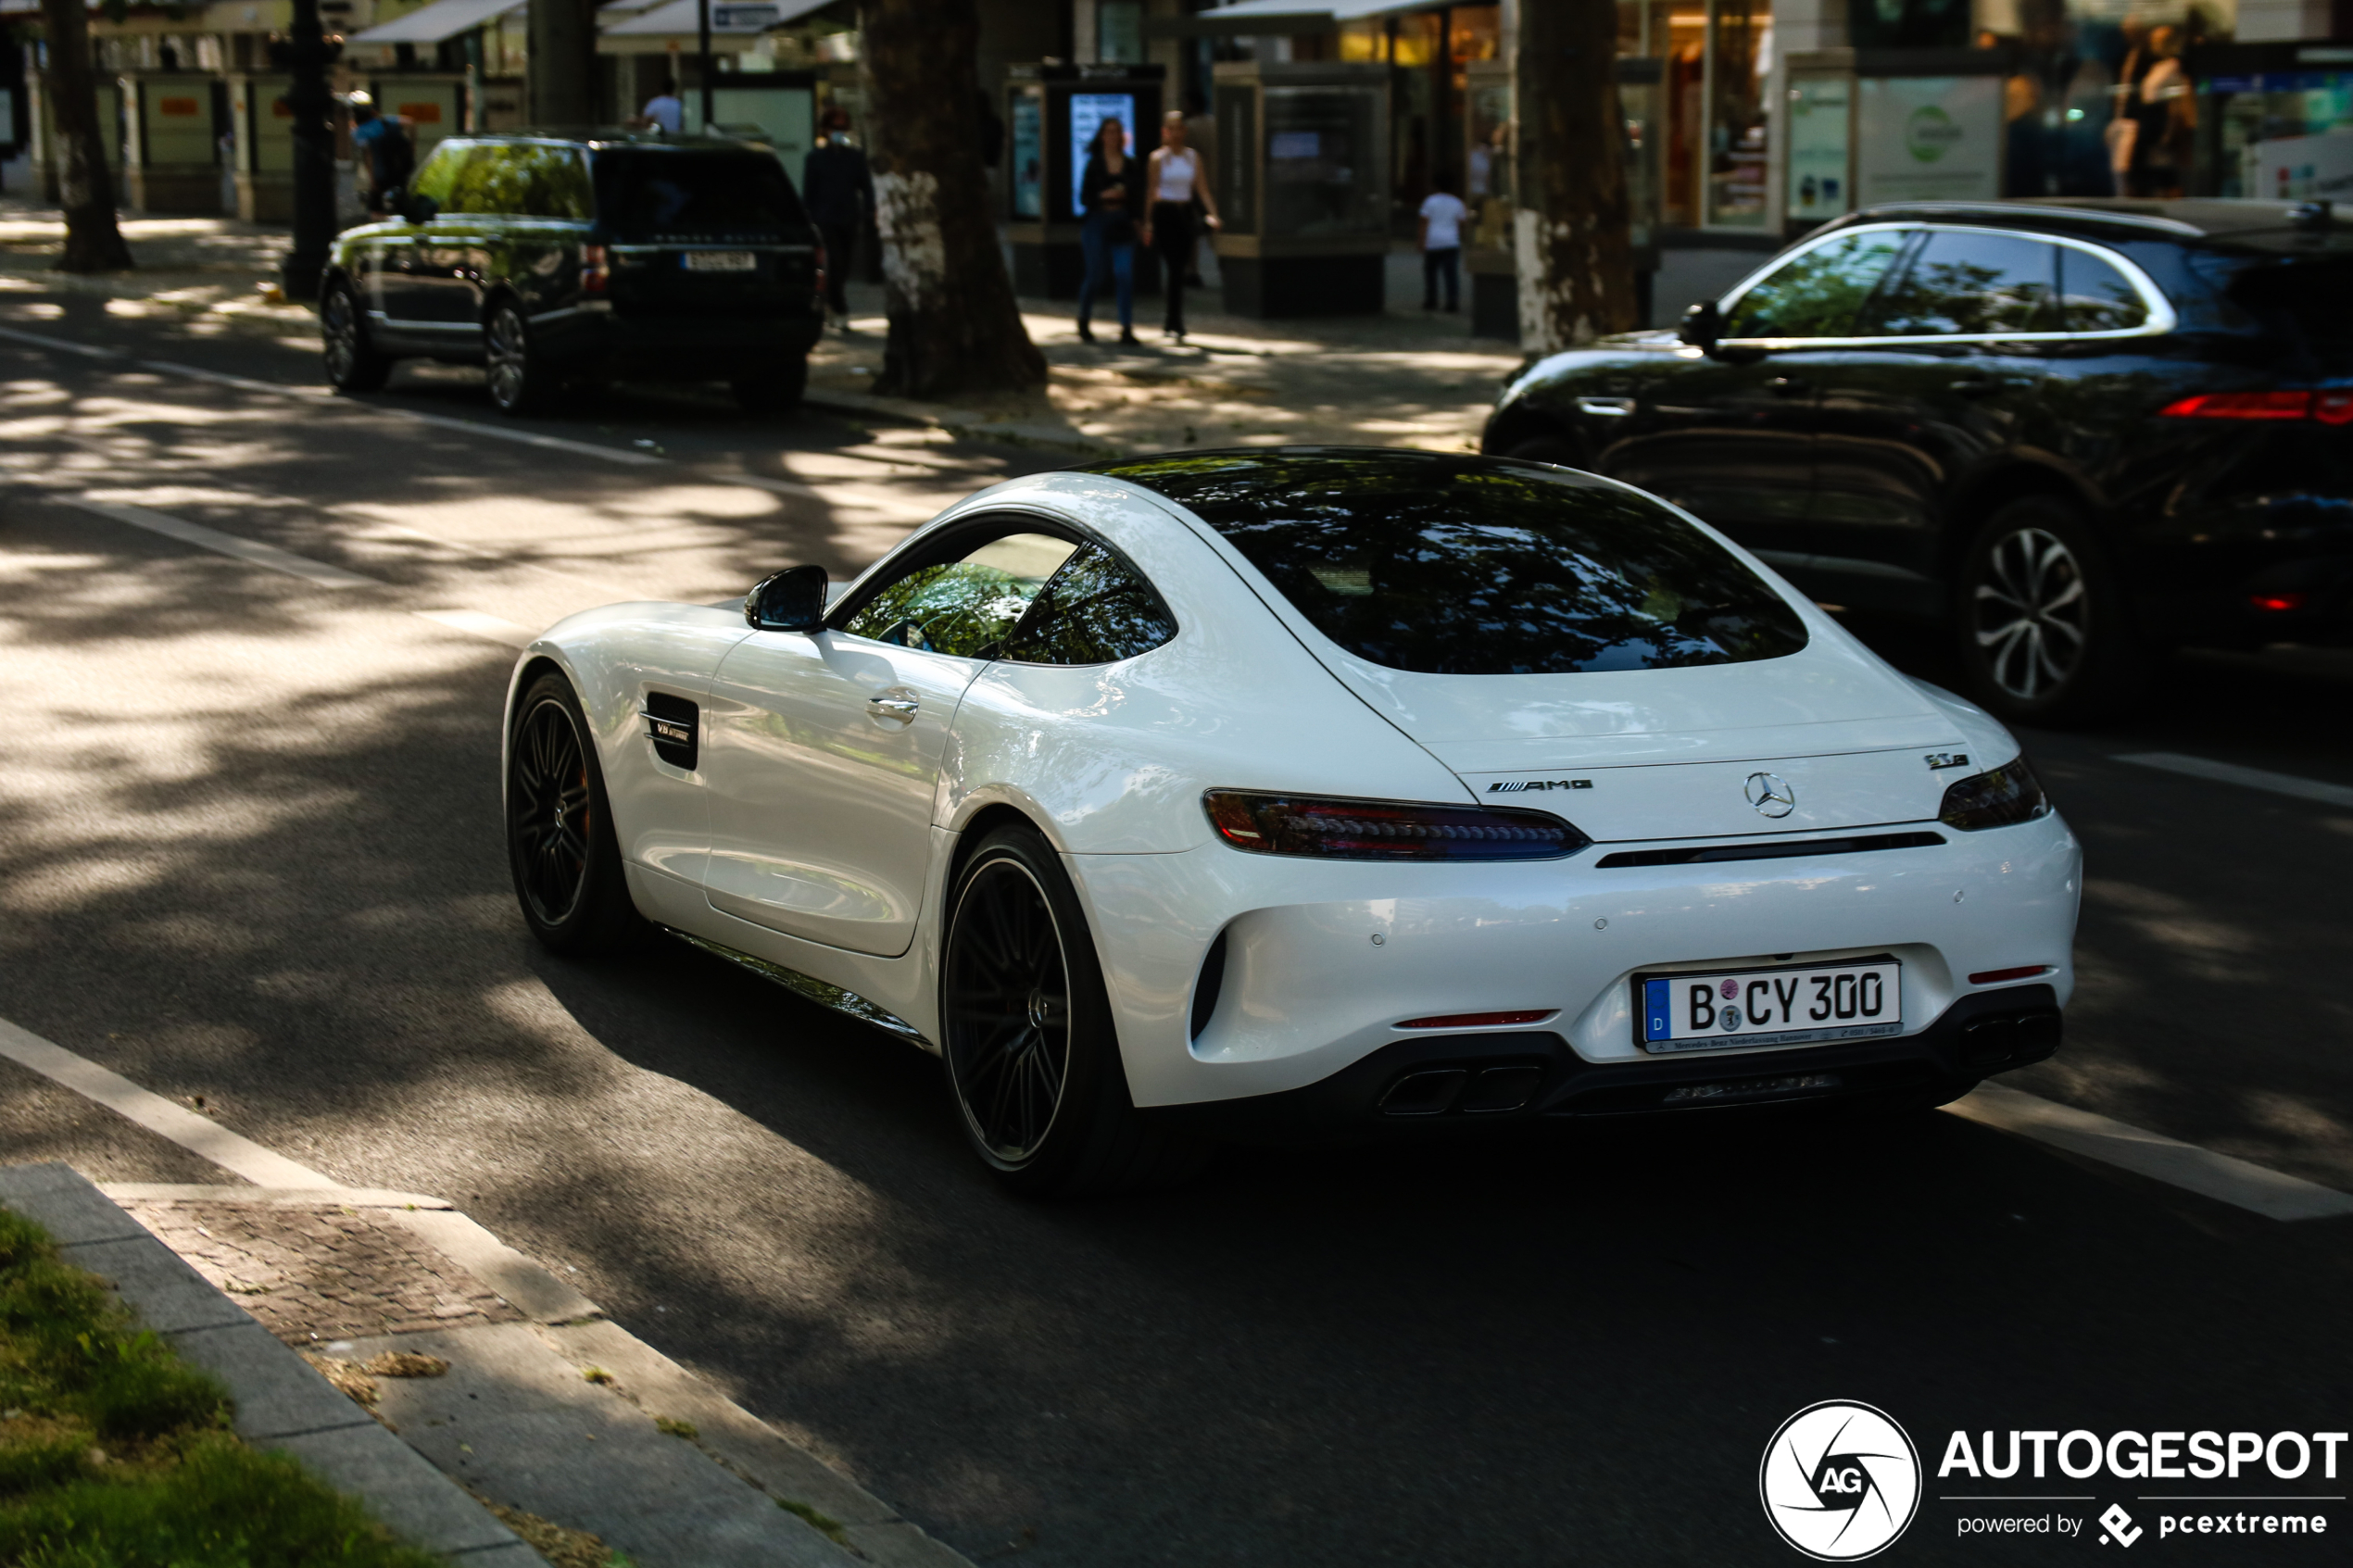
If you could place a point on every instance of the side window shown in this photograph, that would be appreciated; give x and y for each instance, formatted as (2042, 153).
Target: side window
(440, 171)
(1819, 294)
(966, 606)
(483, 183)
(2094, 297)
(1095, 612)
(1971, 284)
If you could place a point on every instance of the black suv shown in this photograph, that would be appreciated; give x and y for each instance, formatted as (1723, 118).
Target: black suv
(2080, 432)
(550, 258)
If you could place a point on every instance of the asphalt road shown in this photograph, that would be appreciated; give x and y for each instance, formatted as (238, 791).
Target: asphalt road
(250, 850)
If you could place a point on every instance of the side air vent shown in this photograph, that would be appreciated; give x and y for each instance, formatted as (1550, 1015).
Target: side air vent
(674, 725)
(1212, 980)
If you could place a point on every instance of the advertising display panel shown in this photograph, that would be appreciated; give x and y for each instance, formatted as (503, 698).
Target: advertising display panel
(1928, 138)
(1028, 164)
(1087, 112)
(1819, 143)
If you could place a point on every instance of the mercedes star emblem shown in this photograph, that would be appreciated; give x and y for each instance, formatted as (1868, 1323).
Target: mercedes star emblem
(1770, 795)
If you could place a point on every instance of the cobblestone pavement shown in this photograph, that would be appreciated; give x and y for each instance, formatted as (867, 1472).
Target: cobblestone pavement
(317, 1273)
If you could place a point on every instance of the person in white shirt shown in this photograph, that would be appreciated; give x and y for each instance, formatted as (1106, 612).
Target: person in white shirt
(1442, 215)
(665, 108)
(1174, 178)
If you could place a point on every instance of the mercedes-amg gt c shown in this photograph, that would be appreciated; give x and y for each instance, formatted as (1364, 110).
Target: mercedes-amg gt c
(1308, 792)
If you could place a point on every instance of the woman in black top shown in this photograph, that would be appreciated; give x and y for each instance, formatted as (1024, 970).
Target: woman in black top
(1111, 193)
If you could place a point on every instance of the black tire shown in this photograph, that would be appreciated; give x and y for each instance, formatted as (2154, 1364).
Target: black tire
(560, 846)
(354, 363)
(2041, 627)
(774, 390)
(1559, 449)
(519, 380)
(1032, 1052)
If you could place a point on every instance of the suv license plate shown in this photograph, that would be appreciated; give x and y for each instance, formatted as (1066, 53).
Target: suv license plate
(1798, 1006)
(721, 261)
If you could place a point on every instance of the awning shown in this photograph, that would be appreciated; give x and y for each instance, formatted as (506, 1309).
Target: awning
(1280, 16)
(677, 18)
(438, 22)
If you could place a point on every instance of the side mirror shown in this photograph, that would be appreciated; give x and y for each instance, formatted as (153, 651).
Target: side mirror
(415, 208)
(792, 600)
(1702, 327)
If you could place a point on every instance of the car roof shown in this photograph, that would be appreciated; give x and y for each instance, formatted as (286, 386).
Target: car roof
(2210, 220)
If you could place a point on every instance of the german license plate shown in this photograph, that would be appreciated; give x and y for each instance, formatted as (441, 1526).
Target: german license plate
(1798, 1006)
(721, 261)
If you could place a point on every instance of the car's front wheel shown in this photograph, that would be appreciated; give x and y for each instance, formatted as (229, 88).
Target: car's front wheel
(2044, 636)
(561, 845)
(352, 362)
(1031, 1051)
(519, 380)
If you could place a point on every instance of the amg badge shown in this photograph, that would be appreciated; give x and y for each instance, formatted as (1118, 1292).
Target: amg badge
(1539, 783)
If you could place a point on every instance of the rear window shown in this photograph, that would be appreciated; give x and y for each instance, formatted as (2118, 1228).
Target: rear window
(681, 196)
(1471, 566)
(2306, 302)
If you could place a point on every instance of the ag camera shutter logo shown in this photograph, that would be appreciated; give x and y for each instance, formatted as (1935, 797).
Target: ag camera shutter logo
(1841, 1481)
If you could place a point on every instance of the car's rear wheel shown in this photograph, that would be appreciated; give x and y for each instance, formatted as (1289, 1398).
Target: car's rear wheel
(1031, 1051)
(518, 378)
(775, 390)
(560, 846)
(352, 362)
(2044, 636)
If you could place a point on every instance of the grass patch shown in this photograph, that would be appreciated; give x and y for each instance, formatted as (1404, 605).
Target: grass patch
(114, 1453)
(676, 1428)
(822, 1522)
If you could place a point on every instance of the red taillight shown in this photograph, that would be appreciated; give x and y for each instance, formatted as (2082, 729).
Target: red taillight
(1995, 976)
(595, 274)
(2277, 603)
(1341, 829)
(821, 274)
(1480, 1020)
(2328, 408)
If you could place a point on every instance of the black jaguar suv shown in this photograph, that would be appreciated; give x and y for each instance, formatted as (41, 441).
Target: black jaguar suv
(553, 259)
(2080, 433)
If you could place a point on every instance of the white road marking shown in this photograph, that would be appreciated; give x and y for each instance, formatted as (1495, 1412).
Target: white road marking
(475, 623)
(39, 340)
(197, 533)
(2272, 1194)
(2252, 778)
(440, 422)
(193, 1132)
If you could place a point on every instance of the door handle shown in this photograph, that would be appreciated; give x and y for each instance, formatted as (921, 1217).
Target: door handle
(1786, 386)
(897, 703)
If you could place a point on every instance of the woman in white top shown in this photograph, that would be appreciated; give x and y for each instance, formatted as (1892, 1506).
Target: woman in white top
(1172, 180)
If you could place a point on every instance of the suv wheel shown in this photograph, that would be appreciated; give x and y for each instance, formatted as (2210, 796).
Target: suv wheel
(519, 380)
(353, 363)
(2043, 634)
(774, 391)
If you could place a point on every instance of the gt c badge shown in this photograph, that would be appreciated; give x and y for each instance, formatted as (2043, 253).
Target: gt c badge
(1770, 795)
(1948, 759)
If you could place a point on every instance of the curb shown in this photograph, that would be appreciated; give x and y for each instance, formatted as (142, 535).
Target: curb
(282, 1402)
(1048, 438)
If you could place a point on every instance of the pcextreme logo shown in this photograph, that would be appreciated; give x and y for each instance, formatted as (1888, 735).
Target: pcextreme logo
(1841, 1481)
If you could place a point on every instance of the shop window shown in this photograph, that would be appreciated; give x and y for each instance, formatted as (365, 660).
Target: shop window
(1119, 31)
(1739, 129)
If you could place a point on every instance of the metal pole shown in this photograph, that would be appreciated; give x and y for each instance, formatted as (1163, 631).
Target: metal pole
(702, 63)
(305, 57)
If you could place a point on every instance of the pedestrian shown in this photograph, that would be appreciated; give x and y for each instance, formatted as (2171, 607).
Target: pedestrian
(1174, 181)
(1442, 215)
(1110, 190)
(2157, 104)
(838, 190)
(383, 151)
(665, 110)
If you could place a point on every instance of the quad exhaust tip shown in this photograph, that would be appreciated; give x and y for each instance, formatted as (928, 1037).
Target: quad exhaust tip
(1470, 1092)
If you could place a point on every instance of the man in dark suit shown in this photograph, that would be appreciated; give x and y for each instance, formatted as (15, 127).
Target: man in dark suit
(838, 190)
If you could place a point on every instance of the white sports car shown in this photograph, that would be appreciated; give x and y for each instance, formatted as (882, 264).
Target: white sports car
(1308, 792)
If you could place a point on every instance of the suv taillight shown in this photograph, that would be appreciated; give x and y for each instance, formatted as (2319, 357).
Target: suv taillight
(2328, 407)
(595, 274)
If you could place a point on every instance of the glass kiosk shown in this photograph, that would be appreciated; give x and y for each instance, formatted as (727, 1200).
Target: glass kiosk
(1488, 247)
(1303, 184)
(1053, 115)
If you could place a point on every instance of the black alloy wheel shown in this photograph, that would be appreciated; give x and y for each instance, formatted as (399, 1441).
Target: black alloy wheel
(2043, 634)
(518, 380)
(1032, 1053)
(353, 363)
(560, 846)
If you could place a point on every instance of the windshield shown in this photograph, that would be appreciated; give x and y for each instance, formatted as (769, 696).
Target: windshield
(719, 196)
(1470, 566)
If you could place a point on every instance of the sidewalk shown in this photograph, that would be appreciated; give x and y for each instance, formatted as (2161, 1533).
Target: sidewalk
(1404, 377)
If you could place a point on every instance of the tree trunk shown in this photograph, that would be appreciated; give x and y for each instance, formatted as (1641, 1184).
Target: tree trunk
(561, 64)
(1572, 231)
(85, 186)
(953, 324)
